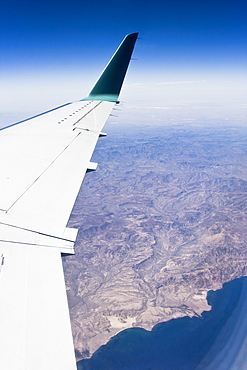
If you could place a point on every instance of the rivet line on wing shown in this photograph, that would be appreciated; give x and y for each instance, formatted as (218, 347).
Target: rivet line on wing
(71, 115)
(87, 113)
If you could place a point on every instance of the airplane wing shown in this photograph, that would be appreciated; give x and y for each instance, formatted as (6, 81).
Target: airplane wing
(43, 161)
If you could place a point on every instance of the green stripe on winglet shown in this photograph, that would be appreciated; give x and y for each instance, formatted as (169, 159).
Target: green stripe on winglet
(109, 84)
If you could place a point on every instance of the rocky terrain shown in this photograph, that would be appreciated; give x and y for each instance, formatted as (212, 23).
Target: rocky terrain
(161, 222)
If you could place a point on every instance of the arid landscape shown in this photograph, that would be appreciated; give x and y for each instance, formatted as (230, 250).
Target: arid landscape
(161, 222)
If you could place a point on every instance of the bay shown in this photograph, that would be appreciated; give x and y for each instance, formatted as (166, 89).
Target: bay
(183, 343)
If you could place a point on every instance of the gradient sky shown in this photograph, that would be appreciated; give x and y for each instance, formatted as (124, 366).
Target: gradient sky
(53, 51)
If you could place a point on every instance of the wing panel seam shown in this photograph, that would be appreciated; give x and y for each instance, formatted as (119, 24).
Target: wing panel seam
(87, 113)
(54, 160)
(37, 232)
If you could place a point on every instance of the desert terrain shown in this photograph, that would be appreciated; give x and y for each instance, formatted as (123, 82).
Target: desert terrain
(161, 222)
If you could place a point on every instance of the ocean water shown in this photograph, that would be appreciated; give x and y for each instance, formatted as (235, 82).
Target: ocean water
(217, 340)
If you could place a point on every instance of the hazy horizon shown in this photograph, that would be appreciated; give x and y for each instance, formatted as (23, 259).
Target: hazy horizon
(52, 53)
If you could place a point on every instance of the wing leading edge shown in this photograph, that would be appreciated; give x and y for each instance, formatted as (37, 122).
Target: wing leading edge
(43, 161)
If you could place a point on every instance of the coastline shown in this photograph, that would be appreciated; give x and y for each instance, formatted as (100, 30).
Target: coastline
(192, 342)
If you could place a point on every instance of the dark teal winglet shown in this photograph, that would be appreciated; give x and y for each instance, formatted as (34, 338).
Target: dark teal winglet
(108, 86)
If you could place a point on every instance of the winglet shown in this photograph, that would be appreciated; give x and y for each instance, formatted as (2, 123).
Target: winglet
(108, 86)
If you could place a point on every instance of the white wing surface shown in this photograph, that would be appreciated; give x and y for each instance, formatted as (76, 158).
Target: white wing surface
(43, 161)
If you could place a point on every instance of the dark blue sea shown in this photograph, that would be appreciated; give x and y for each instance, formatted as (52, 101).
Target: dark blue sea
(217, 340)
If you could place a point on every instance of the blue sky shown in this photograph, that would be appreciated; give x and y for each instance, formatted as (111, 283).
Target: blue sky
(53, 51)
